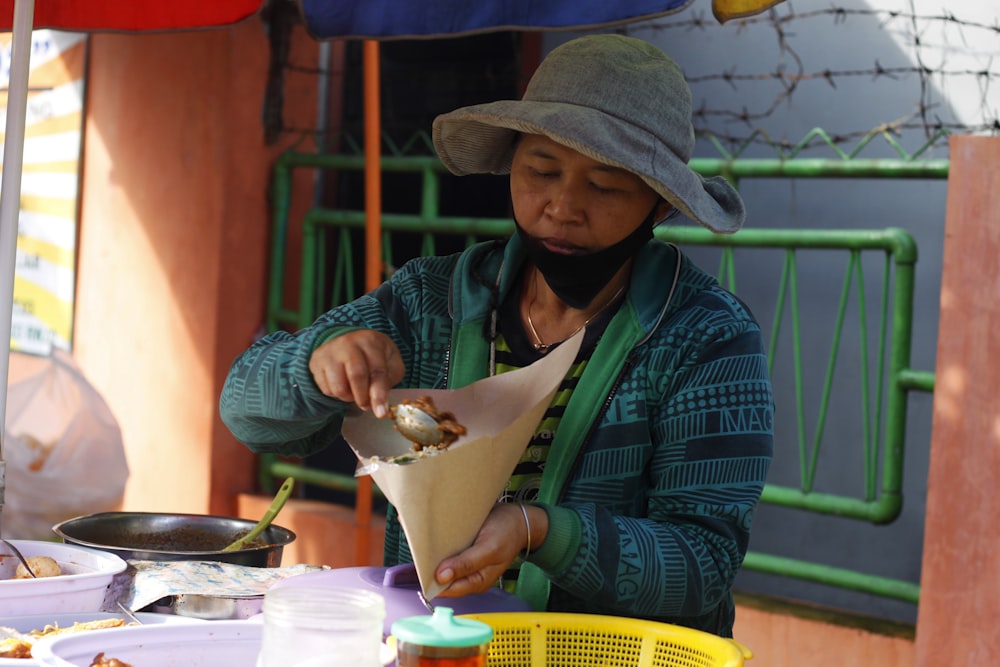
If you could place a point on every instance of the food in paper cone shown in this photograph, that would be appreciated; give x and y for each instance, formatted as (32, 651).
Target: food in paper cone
(449, 427)
(443, 496)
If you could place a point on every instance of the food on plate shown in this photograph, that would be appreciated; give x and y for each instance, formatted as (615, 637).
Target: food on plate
(101, 661)
(42, 566)
(450, 429)
(15, 647)
(18, 645)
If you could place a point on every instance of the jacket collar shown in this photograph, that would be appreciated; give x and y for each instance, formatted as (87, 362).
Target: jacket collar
(649, 292)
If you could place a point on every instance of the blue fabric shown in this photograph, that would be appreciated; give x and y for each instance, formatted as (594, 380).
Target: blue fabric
(426, 18)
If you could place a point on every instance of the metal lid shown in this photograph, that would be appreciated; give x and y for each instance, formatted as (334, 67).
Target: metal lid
(442, 629)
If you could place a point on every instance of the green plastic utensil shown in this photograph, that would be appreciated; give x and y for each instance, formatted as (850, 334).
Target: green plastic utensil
(272, 511)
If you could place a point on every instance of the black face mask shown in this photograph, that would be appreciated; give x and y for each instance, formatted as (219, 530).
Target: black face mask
(576, 279)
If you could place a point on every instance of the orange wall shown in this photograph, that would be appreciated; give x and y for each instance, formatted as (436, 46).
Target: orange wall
(782, 634)
(173, 246)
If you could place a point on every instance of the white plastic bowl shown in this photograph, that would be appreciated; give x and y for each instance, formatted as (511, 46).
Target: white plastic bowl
(26, 624)
(203, 644)
(87, 573)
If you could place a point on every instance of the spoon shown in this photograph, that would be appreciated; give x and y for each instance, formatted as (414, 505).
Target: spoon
(279, 501)
(427, 603)
(416, 425)
(20, 557)
(128, 613)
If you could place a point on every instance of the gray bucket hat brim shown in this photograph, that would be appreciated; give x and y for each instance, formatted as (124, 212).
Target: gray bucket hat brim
(615, 99)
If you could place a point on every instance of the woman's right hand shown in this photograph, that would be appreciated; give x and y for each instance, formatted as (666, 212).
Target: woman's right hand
(359, 367)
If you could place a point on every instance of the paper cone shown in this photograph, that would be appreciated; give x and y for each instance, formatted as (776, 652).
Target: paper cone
(443, 499)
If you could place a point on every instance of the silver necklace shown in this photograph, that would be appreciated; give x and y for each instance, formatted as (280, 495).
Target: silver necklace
(543, 348)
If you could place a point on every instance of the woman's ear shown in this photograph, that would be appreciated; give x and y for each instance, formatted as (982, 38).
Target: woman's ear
(663, 209)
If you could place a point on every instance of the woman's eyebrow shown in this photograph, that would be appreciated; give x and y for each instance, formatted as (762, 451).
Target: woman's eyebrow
(543, 153)
(538, 151)
(611, 169)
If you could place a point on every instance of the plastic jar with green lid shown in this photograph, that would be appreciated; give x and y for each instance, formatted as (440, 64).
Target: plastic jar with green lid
(441, 640)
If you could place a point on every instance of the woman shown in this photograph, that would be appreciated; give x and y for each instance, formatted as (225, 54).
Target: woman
(636, 495)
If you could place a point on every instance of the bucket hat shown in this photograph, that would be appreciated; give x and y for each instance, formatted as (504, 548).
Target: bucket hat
(616, 99)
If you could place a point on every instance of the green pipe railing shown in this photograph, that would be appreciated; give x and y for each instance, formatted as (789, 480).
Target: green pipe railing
(315, 476)
(878, 508)
(852, 580)
(820, 168)
(882, 499)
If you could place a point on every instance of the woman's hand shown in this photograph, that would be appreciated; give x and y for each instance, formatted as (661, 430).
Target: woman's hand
(502, 537)
(359, 367)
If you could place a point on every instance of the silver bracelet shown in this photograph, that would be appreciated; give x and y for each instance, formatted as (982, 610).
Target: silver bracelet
(527, 525)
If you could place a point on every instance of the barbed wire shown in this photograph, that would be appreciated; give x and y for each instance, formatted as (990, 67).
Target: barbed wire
(792, 75)
(736, 124)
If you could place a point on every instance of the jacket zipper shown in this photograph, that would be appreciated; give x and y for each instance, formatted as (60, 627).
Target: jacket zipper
(629, 362)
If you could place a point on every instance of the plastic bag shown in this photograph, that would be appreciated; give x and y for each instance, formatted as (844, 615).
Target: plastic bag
(63, 448)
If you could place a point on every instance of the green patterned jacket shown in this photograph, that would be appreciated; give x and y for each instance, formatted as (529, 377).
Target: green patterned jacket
(660, 457)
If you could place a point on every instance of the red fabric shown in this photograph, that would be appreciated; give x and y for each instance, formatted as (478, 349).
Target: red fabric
(132, 15)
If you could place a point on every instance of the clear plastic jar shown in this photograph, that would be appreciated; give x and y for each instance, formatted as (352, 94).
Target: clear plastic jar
(441, 640)
(321, 627)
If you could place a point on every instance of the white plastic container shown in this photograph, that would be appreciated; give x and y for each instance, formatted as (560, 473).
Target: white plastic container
(26, 624)
(321, 627)
(197, 644)
(87, 573)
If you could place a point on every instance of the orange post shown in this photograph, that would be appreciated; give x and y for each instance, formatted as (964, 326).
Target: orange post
(373, 257)
(960, 576)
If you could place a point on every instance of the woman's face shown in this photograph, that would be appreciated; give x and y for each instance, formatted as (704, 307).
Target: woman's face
(573, 204)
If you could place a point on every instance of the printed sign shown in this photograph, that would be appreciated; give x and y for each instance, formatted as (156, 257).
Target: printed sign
(45, 275)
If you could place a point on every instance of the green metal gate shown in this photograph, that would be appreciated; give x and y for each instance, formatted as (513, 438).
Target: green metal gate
(884, 365)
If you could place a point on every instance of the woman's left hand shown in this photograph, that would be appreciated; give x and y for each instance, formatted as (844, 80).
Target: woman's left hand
(477, 569)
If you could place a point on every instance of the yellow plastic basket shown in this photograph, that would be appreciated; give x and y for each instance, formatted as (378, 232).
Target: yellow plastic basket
(531, 639)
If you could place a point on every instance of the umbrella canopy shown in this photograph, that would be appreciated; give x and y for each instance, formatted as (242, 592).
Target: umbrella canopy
(385, 19)
(366, 19)
(131, 15)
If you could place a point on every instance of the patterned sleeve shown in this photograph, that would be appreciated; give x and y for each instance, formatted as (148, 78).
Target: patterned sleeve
(671, 546)
(270, 401)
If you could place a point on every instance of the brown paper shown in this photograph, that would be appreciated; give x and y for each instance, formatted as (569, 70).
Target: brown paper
(443, 499)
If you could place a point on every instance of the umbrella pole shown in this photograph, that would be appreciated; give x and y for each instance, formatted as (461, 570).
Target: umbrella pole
(10, 198)
(373, 258)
